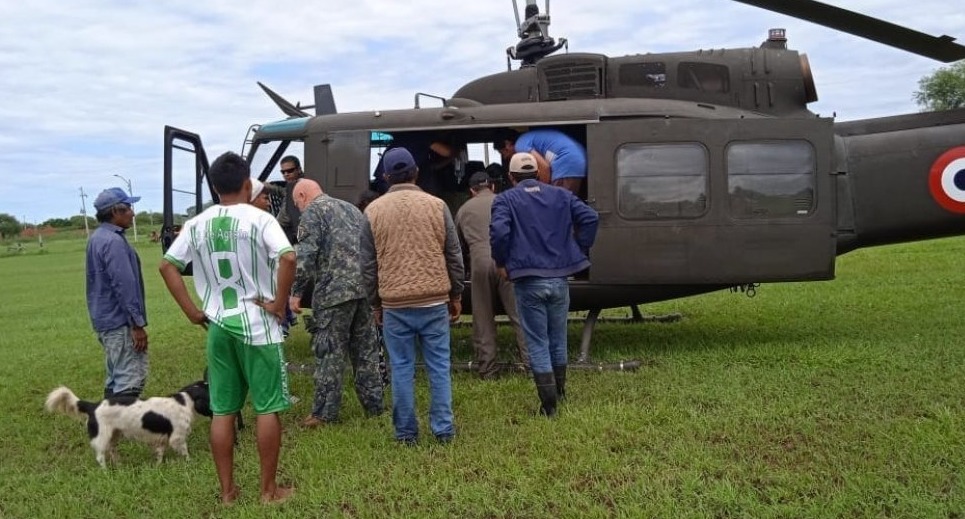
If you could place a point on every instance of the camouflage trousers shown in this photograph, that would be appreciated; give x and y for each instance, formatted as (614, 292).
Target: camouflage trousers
(346, 329)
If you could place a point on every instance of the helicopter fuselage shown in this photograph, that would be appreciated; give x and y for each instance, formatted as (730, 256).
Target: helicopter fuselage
(697, 189)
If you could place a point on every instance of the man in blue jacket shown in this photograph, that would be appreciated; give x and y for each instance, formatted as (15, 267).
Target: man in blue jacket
(115, 295)
(540, 235)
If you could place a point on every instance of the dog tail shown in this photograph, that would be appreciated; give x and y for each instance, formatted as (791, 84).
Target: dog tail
(63, 400)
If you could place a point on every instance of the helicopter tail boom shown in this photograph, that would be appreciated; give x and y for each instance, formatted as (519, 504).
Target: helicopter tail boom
(900, 179)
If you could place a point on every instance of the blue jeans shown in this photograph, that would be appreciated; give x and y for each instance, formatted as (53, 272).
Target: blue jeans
(126, 368)
(430, 325)
(543, 305)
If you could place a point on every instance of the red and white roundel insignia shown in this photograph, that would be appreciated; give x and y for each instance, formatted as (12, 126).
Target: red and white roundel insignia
(947, 180)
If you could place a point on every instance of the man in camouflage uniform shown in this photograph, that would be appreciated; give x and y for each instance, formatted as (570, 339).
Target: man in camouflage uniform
(328, 249)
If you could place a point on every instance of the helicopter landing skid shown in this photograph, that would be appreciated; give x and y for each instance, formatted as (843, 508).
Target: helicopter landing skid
(593, 316)
(516, 367)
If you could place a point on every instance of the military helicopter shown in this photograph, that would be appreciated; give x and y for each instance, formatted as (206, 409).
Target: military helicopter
(706, 167)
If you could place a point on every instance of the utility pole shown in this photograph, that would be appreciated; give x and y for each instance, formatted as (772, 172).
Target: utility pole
(131, 191)
(83, 211)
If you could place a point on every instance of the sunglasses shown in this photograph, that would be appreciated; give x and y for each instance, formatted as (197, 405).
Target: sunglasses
(288, 171)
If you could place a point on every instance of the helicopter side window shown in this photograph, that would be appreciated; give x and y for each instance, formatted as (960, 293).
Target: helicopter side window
(653, 75)
(661, 181)
(705, 77)
(771, 179)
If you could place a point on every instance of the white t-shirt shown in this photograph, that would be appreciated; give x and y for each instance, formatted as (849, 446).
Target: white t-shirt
(235, 251)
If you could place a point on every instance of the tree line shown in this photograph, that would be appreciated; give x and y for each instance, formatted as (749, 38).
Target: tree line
(11, 227)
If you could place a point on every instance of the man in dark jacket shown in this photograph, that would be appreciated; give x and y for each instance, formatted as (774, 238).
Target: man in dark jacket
(540, 235)
(288, 215)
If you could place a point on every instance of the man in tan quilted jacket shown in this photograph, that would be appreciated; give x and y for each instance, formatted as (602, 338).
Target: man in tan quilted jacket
(412, 264)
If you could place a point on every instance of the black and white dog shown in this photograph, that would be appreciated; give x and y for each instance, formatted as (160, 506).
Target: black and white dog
(157, 421)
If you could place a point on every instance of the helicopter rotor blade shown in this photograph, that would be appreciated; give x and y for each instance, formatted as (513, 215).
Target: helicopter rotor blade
(286, 107)
(941, 48)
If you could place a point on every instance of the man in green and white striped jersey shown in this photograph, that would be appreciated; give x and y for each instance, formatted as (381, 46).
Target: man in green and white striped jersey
(243, 272)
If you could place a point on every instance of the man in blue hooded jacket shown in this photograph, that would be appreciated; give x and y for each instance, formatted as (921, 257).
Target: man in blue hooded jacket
(540, 235)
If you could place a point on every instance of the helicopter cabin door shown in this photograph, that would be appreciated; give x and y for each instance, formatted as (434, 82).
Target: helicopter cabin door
(704, 201)
(341, 158)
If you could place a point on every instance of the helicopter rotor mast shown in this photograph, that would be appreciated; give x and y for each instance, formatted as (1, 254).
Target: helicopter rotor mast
(535, 42)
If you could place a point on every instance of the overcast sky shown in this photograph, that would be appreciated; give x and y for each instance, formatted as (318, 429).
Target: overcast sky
(88, 85)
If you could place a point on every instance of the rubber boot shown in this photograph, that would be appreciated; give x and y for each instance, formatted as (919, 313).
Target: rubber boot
(560, 374)
(546, 389)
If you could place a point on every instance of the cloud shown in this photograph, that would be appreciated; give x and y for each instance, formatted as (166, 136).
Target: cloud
(89, 85)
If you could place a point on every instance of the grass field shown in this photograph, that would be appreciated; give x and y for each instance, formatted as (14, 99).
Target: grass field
(835, 399)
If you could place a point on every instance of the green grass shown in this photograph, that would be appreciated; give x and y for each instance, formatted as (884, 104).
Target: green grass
(835, 399)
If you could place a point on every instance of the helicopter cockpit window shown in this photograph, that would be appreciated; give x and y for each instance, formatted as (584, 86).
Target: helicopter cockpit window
(660, 181)
(652, 75)
(771, 179)
(705, 77)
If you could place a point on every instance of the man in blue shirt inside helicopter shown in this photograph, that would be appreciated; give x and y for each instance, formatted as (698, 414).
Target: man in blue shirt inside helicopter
(560, 158)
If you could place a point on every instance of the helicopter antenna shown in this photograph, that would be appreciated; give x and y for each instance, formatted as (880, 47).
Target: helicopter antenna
(535, 42)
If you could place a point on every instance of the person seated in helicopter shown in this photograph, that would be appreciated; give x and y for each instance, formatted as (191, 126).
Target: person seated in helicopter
(441, 164)
(560, 158)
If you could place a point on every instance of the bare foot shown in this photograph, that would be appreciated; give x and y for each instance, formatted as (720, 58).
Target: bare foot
(280, 495)
(228, 498)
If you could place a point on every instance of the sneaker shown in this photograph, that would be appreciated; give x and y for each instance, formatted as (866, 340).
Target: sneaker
(445, 439)
(407, 442)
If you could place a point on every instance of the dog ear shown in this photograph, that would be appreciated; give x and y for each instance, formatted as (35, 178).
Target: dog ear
(204, 378)
(201, 398)
(203, 407)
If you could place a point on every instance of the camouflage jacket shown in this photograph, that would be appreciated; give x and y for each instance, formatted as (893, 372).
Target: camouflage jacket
(328, 251)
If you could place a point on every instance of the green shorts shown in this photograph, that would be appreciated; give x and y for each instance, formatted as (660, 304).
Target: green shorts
(235, 368)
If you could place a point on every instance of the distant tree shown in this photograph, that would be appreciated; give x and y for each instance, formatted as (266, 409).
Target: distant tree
(9, 226)
(77, 221)
(942, 90)
(149, 218)
(58, 223)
